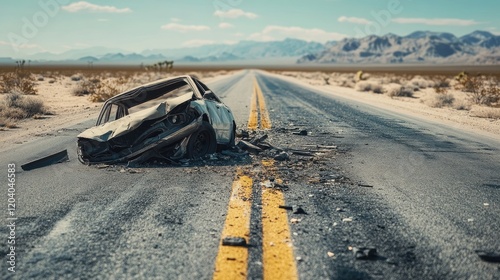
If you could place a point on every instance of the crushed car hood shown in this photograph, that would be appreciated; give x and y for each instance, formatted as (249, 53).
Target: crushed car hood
(130, 122)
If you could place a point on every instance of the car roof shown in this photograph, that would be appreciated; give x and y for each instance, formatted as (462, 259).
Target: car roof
(148, 87)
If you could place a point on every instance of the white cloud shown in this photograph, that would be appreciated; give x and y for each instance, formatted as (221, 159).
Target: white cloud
(230, 42)
(273, 32)
(494, 31)
(197, 43)
(225, 25)
(235, 13)
(437, 21)
(20, 46)
(86, 6)
(184, 28)
(354, 20)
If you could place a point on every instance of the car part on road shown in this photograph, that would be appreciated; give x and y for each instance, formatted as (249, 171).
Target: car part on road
(234, 241)
(168, 119)
(488, 256)
(59, 157)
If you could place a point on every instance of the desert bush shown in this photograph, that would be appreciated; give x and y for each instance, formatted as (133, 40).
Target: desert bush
(19, 81)
(461, 105)
(421, 83)
(377, 88)
(346, 83)
(76, 77)
(360, 76)
(442, 100)
(105, 90)
(400, 91)
(364, 86)
(481, 89)
(86, 87)
(18, 106)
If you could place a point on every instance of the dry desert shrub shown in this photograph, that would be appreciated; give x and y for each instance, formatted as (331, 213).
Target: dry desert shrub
(346, 80)
(421, 83)
(461, 105)
(101, 88)
(377, 88)
(18, 81)
(16, 106)
(364, 86)
(441, 100)
(482, 90)
(400, 91)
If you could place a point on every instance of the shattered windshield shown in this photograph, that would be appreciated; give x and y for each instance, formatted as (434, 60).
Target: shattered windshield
(178, 89)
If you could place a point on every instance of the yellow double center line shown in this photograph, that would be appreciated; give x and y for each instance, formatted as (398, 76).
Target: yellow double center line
(277, 250)
(258, 105)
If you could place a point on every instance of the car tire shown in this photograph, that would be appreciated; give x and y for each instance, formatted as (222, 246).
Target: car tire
(202, 142)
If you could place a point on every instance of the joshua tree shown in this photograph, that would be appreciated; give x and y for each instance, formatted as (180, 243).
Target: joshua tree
(169, 64)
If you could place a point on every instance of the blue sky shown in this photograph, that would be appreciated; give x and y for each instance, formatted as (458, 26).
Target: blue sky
(33, 26)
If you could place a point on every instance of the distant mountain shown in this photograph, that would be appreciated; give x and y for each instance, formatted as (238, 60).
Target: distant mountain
(479, 47)
(7, 60)
(243, 50)
(75, 54)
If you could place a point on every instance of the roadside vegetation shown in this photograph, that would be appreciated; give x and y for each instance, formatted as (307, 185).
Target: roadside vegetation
(17, 102)
(477, 93)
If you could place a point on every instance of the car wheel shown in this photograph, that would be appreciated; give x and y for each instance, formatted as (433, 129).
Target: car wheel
(232, 141)
(202, 142)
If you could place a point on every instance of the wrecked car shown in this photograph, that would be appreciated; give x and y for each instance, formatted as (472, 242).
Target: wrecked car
(168, 119)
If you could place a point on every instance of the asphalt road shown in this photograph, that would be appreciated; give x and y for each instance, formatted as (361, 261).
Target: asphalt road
(424, 195)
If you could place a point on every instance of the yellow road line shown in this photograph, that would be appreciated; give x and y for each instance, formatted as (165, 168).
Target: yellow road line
(265, 121)
(253, 119)
(277, 249)
(232, 261)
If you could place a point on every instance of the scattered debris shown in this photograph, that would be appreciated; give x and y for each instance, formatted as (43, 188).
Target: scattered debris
(470, 220)
(365, 185)
(302, 133)
(299, 210)
(339, 209)
(489, 256)
(267, 184)
(364, 253)
(486, 204)
(282, 156)
(234, 241)
(247, 146)
(345, 220)
(46, 161)
(302, 153)
(330, 254)
(286, 207)
(295, 220)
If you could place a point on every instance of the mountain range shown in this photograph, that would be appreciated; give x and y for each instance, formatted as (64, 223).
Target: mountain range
(478, 47)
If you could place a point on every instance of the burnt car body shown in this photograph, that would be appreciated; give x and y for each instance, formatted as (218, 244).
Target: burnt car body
(172, 118)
